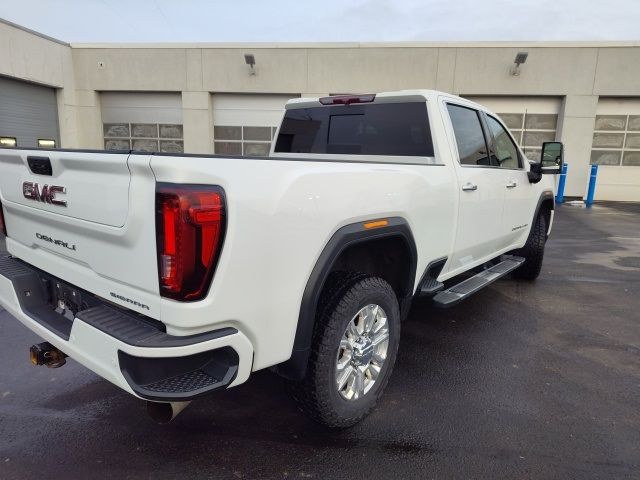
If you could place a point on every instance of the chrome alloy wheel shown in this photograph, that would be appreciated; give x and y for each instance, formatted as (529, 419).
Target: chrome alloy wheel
(362, 352)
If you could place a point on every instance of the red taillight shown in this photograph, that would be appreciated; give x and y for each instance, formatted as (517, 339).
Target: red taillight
(190, 224)
(3, 226)
(347, 99)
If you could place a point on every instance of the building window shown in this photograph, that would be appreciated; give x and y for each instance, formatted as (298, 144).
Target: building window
(145, 137)
(251, 141)
(46, 143)
(616, 140)
(531, 130)
(8, 142)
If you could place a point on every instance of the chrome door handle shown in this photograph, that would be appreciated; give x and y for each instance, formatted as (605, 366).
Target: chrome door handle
(512, 184)
(469, 187)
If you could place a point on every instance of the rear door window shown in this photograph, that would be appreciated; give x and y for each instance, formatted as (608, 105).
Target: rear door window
(393, 129)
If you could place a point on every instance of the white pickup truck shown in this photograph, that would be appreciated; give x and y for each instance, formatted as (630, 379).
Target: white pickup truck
(173, 276)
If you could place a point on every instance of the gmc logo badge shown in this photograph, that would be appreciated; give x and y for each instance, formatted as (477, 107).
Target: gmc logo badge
(44, 193)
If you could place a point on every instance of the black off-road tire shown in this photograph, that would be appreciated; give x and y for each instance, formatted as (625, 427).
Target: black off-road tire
(533, 251)
(345, 293)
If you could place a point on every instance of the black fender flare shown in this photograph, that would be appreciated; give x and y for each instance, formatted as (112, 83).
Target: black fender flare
(295, 368)
(544, 197)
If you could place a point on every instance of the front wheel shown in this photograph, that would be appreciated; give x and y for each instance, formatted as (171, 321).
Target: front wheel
(533, 251)
(354, 349)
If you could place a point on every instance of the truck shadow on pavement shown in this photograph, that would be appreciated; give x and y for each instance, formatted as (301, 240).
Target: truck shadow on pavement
(262, 409)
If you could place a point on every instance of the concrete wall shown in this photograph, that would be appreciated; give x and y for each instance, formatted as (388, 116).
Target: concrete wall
(579, 73)
(31, 57)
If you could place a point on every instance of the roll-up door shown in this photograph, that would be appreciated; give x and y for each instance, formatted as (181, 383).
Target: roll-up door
(142, 121)
(28, 113)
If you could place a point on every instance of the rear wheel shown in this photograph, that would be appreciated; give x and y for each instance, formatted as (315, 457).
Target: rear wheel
(533, 251)
(355, 343)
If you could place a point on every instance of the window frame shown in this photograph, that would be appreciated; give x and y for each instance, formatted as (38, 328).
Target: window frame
(621, 150)
(130, 138)
(485, 117)
(242, 141)
(483, 128)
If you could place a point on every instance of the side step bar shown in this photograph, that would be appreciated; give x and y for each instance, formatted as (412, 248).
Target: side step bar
(430, 287)
(453, 295)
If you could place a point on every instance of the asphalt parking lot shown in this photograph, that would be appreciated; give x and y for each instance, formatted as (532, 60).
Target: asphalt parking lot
(524, 380)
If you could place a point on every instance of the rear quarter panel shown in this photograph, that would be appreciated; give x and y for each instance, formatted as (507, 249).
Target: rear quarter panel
(281, 214)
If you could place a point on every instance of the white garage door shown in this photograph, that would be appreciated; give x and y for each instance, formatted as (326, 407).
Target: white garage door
(531, 120)
(28, 114)
(244, 124)
(616, 148)
(150, 122)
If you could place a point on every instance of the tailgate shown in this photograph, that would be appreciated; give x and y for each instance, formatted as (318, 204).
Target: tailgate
(96, 184)
(87, 218)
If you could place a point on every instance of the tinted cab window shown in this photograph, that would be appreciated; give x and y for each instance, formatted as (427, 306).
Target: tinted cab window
(470, 140)
(364, 129)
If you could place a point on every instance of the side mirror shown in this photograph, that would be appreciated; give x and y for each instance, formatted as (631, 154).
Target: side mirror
(552, 158)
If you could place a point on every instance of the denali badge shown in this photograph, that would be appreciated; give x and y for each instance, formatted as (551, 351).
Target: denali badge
(44, 194)
(60, 243)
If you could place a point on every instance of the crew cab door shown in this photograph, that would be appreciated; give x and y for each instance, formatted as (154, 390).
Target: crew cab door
(519, 192)
(481, 186)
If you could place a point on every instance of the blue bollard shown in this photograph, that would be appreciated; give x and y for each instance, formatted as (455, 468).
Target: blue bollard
(561, 184)
(592, 185)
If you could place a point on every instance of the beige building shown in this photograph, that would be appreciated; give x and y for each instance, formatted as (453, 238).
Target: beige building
(204, 98)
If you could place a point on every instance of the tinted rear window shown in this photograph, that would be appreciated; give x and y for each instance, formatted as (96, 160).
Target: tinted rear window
(372, 129)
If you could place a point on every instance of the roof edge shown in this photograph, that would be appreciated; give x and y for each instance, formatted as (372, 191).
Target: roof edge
(33, 32)
(336, 45)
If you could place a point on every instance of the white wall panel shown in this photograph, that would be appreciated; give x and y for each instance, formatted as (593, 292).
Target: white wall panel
(141, 107)
(248, 109)
(519, 104)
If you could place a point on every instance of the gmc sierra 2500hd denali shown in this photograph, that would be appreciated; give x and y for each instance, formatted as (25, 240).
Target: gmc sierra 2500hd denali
(173, 276)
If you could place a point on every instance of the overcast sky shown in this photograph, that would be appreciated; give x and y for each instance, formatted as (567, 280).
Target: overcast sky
(83, 21)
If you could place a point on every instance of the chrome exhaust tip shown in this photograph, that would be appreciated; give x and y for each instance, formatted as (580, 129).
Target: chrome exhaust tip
(165, 412)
